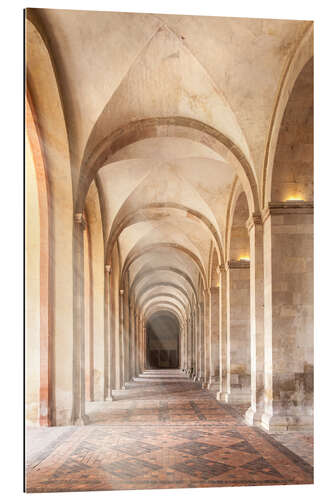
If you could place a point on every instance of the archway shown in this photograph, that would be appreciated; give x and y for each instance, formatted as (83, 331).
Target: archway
(163, 333)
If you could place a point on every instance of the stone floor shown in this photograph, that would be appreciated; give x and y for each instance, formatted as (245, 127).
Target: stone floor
(163, 431)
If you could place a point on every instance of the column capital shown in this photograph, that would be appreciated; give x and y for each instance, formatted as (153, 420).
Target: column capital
(254, 220)
(121, 292)
(220, 269)
(80, 220)
(237, 264)
(108, 268)
(296, 207)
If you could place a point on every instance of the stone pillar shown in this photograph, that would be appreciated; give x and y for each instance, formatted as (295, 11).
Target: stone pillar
(143, 349)
(205, 381)
(132, 340)
(112, 335)
(198, 339)
(78, 410)
(222, 334)
(201, 342)
(255, 228)
(194, 343)
(126, 333)
(214, 333)
(185, 347)
(288, 259)
(121, 335)
(238, 332)
(135, 340)
(133, 333)
(140, 346)
(189, 345)
(107, 336)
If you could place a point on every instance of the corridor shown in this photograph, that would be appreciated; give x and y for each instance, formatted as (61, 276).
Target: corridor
(163, 431)
(169, 251)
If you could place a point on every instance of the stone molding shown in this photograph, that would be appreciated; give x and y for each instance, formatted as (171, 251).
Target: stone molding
(80, 219)
(254, 220)
(220, 269)
(295, 207)
(237, 264)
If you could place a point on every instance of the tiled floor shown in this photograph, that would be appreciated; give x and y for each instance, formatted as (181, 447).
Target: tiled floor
(162, 432)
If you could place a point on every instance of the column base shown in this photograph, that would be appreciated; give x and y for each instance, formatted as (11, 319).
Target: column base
(220, 396)
(253, 417)
(82, 420)
(237, 398)
(276, 423)
(213, 386)
(204, 384)
(63, 417)
(108, 398)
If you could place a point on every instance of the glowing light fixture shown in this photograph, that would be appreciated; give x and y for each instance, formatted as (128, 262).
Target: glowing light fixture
(245, 258)
(294, 198)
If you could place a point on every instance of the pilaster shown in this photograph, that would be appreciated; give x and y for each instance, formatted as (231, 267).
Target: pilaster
(255, 229)
(78, 411)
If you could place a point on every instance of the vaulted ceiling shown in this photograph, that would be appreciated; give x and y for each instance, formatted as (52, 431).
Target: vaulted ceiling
(164, 190)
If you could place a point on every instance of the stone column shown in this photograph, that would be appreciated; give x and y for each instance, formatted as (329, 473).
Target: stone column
(238, 332)
(121, 335)
(185, 347)
(255, 228)
(205, 381)
(288, 258)
(132, 340)
(197, 343)
(189, 345)
(222, 334)
(140, 347)
(78, 410)
(136, 344)
(144, 347)
(126, 333)
(107, 336)
(214, 334)
(194, 343)
(201, 343)
(181, 352)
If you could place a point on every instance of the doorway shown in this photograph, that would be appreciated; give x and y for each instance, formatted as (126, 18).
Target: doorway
(162, 341)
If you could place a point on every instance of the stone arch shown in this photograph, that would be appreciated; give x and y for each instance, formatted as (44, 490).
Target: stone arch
(239, 242)
(163, 294)
(144, 273)
(45, 297)
(47, 104)
(292, 174)
(134, 255)
(302, 54)
(214, 277)
(162, 300)
(175, 126)
(143, 215)
(162, 284)
(163, 306)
